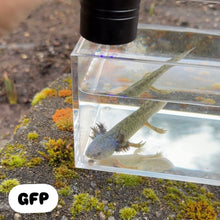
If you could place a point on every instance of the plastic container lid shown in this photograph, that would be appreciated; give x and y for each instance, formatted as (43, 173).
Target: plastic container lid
(109, 22)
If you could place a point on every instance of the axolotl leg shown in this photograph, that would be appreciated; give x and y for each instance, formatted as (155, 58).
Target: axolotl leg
(160, 91)
(158, 130)
(99, 129)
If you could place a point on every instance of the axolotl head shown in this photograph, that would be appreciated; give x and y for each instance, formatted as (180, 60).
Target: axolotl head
(101, 147)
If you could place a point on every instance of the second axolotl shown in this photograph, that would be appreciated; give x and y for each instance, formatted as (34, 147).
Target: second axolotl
(105, 143)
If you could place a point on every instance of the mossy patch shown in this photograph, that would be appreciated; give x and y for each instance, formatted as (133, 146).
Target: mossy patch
(2, 176)
(83, 202)
(150, 195)
(199, 210)
(59, 152)
(14, 156)
(69, 81)
(174, 194)
(65, 191)
(65, 93)
(24, 122)
(69, 100)
(36, 161)
(13, 161)
(181, 197)
(7, 185)
(184, 200)
(63, 175)
(47, 92)
(127, 213)
(127, 180)
(63, 119)
(32, 136)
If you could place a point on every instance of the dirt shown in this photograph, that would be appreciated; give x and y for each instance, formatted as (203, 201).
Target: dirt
(36, 54)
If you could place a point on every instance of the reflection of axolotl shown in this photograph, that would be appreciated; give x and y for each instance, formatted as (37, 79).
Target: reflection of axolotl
(104, 143)
(153, 163)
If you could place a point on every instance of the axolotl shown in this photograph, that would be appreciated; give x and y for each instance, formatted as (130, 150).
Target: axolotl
(105, 143)
(116, 139)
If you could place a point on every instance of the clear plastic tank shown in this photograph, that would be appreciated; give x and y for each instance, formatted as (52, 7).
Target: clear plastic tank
(180, 139)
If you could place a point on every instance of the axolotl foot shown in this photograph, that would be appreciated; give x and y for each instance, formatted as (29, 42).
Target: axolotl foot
(125, 145)
(99, 129)
(138, 145)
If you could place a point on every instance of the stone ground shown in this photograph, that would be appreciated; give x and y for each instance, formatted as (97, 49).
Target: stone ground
(166, 199)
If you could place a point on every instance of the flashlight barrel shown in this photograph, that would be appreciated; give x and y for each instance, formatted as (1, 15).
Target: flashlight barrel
(110, 22)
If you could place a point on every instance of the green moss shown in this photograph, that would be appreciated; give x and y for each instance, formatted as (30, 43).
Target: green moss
(184, 199)
(209, 195)
(174, 195)
(10, 148)
(60, 155)
(65, 124)
(192, 189)
(169, 183)
(14, 156)
(107, 213)
(202, 190)
(127, 180)
(47, 92)
(160, 181)
(63, 119)
(150, 195)
(59, 152)
(69, 81)
(111, 205)
(36, 161)
(65, 191)
(170, 217)
(63, 175)
(32, 136)
(100, 206)
(175, 191)
(108, 188)
(61, 202)
(200, 210)
(25, 121)
(83, 202)
(144, 207)
(141, 206)
(191, 186)
(14, 160)
(127, 213)
(69, 100)
(7, 185)
(2, 217)
(2, 176)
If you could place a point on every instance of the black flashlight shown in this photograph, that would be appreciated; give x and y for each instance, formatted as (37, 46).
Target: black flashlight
(110, 22)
